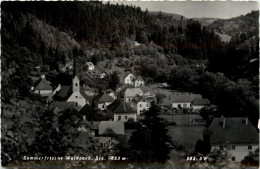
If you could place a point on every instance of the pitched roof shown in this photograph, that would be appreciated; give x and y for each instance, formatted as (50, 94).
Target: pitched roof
(185, 97)
(235, 131)
(89, 64)
(63, 94)
(132, 92)
(82, 92)
(43, 84)
(117, 126)
(103, 98)
(102, 139)
(200, 102)
(62, 105)
(139, 78)
(144, 88)
(127, 75)
(119, 106)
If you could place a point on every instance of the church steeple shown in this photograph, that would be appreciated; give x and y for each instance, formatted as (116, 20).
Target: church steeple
(75, 71)
(75, 81)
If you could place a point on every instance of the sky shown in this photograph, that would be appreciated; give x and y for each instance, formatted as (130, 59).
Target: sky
(191, 9)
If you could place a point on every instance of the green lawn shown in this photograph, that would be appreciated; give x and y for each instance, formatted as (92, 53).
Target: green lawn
(186, 136)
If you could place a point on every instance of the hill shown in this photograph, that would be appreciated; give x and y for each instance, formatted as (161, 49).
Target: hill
(205, 21)
(247, 24)
(172, 15)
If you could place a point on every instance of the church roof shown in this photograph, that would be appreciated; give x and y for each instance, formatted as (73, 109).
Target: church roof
(66, 91)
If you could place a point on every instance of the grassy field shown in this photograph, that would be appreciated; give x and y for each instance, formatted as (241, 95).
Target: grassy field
(186, 136)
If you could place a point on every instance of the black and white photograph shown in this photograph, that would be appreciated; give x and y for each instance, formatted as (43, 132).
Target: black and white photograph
(130, 84)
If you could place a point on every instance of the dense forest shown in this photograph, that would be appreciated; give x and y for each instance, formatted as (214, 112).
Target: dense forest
(181, 51)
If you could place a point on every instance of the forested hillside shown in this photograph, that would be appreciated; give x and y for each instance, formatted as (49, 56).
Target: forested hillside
(160, 47)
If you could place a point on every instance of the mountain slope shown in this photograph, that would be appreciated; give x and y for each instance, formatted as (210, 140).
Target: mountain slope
(247, 24)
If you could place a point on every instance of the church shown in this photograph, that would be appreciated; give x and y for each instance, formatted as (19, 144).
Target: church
(73, 93)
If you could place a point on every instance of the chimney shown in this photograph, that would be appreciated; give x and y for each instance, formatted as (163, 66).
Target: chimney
(246, 121)
(84, 117)
(43, 76)
(224, 121)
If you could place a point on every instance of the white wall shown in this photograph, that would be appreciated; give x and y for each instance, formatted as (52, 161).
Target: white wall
(80, 100)
(129, 116)
(197, 107)
(239, 152)
(144, 106)
(103, 106)
(188, 104)
(129, 80)
(42, 92)
(139, 83)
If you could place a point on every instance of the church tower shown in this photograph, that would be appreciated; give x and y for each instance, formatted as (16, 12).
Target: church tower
(75, 81)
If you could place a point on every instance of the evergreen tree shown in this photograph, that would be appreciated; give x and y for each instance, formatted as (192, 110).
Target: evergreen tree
(150, 142)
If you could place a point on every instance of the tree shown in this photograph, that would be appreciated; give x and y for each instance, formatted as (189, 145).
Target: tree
(150, 142)
(113, 81)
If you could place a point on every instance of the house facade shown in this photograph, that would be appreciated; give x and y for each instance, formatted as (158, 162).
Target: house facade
(130, 93)
(42, 86)
(198, 104)
(140, 104)
(117, 126)
(129, 79)
(102, 100)
(184, 100)
(236, 136)
(90, 65)
(122, 111)
(139, 81)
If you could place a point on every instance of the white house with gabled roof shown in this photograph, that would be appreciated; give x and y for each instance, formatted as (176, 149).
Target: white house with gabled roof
(236, 136)
(139, 81)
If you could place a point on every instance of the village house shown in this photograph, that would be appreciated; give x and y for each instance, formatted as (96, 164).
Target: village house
(128, 79)
(121, 110)
(102, 100)
(102, 75)
(131, 79)
(236, 136)
(89, 126)
(103, 142)
(198, 103)
(139, 81)
(141, 104)
(130, 93)
(117, 126)
(42, 86)
(89, 91)
(90, 65)
(184, 100)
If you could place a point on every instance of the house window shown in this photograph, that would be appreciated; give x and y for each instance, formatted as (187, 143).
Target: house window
(233, 147)
(140, 105)
(119, 117)
(76, 84)
(76, 104)
(233, 158)
(125, 117)
(103, 106)
(184, 105)
(76, 96)
(129, 99)
(249, 147)
(221, 147)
